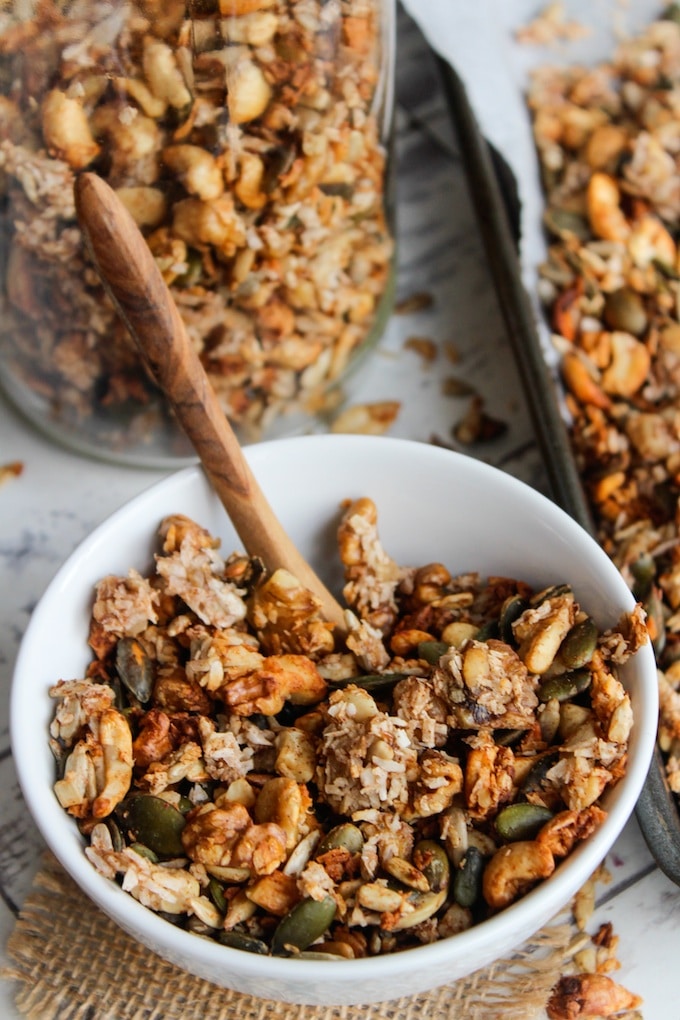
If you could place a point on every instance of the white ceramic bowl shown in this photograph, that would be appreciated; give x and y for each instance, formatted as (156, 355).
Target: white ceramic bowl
(433, 505)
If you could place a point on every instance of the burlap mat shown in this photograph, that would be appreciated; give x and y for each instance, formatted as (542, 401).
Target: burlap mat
(70, 962)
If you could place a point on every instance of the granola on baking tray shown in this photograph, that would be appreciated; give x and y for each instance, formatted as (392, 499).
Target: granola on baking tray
(608, 138)
(247, 139)
(250, 777)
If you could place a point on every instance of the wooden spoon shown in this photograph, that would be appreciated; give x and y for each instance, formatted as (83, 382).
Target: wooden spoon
(134, 282)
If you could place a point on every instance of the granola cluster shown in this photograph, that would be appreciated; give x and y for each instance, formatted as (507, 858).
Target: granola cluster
(255, 779)
(247, 139)
(609, 142)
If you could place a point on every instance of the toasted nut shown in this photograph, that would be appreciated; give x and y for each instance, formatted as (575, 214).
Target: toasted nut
(66, 130)
(581, 382)
(605, 145)
(248, 187)
(256, 28)
(147, 206)
(604, 212)
(367, 419)
(163, 75)
(197, 169)
(281, 801)
(209, 223)
(295, 755)
(629, 367)
(589, 995)
(276, 893)
(138, 90)
(248, 92)
(513, 869)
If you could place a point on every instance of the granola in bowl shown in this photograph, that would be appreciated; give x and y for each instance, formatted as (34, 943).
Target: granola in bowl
(249, 142)
(436, 508)
(252, 780)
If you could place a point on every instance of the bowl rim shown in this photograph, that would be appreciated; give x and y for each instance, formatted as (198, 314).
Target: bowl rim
(529, 913)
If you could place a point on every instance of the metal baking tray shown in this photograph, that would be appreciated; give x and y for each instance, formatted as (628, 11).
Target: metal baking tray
(493, 193)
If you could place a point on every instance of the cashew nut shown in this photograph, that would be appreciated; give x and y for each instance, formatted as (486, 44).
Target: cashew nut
(197, 169)
(66, 130)
(513, 870)
(248, 92)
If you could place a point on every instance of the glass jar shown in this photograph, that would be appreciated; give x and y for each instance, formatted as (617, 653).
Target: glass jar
(250, 141)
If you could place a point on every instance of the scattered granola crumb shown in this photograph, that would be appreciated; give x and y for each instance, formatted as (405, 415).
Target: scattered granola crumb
(476, 426)
(10, 471)
(589, 995)
(422, 345)
(367, 419)
(585, 989)
(454, 387)
(451, 351)
(417, 302)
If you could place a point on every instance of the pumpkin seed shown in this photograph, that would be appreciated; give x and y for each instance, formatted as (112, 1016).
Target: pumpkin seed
(425, 905)
(467, 882)
(155, 823)
(318, 955)
(117, 838)
(135, 668)
(521, 820)
(489, 631)
(564, 687)
(644, 574)
(562, 223)
(507, 738)
(239, 940)
(511, 610)
(430, 858)
(303, 925)
(217, 895)
(431, 651)
(194, 271)
(198, 927)
(345, 836)
(553, 592)
(624, 309)
(535, 777)
(371, 681)
(341, 188)
(144, 851)
(579, 644)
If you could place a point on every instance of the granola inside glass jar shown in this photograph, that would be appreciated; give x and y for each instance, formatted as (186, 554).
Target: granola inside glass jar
(250, 141)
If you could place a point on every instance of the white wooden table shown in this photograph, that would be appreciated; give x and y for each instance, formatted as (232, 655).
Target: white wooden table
(60, 497)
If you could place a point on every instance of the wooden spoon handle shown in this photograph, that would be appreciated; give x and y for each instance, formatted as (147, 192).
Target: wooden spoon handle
(135, 284)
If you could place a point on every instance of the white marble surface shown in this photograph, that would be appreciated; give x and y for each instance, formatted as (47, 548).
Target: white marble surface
(60, 497)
